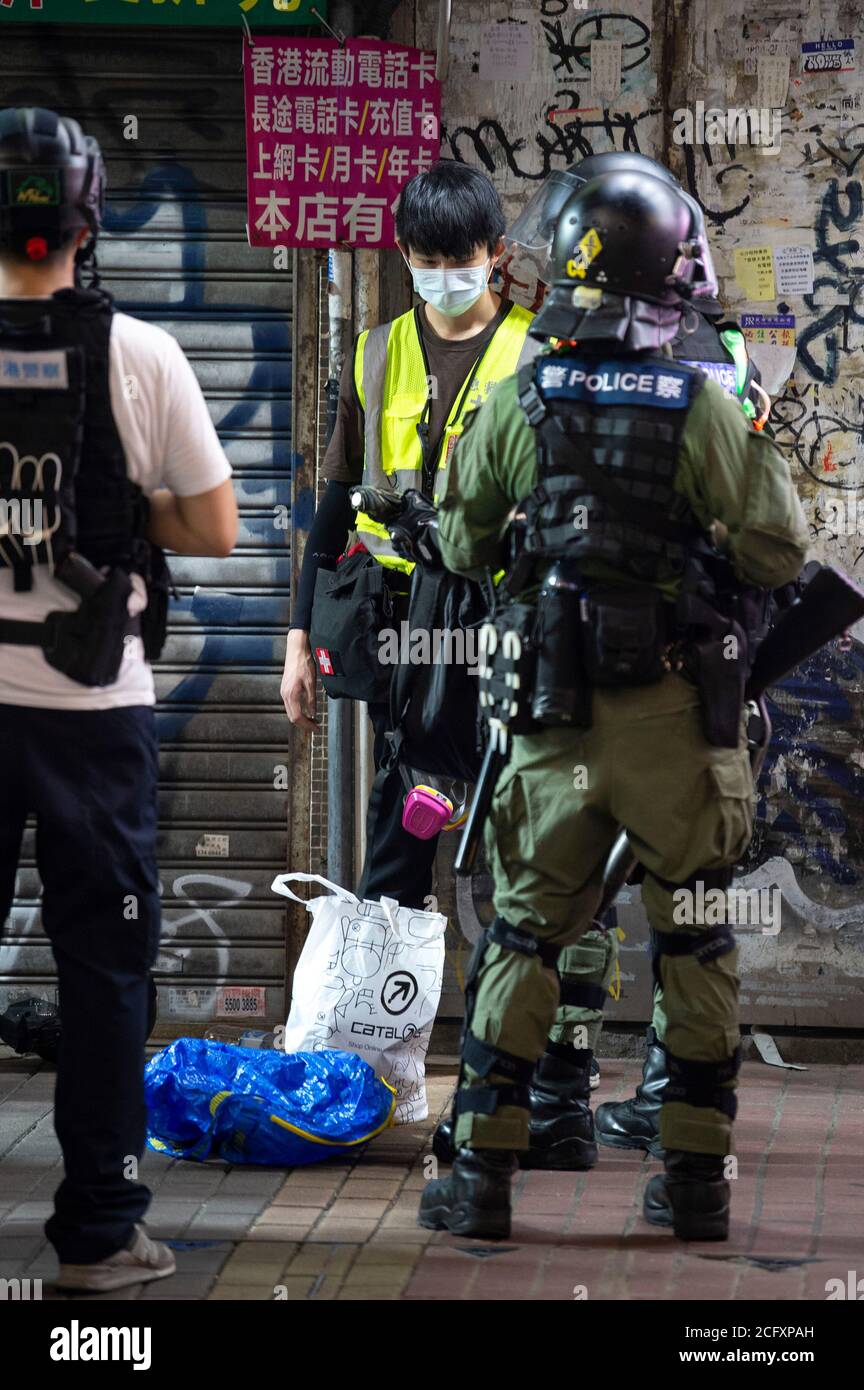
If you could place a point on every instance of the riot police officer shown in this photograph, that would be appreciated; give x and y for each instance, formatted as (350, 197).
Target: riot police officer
(617, 462)
(708, 340)
(565, 1138)
(107, 454)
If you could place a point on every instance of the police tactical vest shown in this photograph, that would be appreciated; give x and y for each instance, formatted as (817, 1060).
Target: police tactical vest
(391, 377)
(59, 445)
(68, 503)
(608, 437)
(720, 351)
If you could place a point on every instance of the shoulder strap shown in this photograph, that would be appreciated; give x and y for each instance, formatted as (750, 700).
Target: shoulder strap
(528, 396)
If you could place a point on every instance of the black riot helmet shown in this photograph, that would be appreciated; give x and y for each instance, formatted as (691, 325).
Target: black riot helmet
(534, 228)
(52, 183)
(627, 255)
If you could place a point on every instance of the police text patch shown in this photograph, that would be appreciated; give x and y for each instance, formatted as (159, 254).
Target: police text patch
(46, 371)
(622, 382)
(722, 372)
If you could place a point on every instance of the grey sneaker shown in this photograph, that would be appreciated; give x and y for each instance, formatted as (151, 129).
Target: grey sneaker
(142, 1260)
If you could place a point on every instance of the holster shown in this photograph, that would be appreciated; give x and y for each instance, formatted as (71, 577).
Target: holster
(87, 645)
(720, 682)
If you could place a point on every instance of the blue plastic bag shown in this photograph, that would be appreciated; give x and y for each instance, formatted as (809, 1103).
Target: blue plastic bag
(216, 1100)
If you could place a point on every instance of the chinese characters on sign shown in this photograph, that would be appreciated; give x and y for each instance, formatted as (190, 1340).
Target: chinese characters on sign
(333, 132)
(793, 270)
(774, 330)
(754, 271)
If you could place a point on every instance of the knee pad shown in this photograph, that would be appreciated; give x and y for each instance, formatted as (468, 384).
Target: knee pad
(579, 995)
(703, 1084)
(707, 943)
(483, 1057)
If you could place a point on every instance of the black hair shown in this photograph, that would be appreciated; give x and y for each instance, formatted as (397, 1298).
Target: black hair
(15, 257)
(11, 256)
(448, 211)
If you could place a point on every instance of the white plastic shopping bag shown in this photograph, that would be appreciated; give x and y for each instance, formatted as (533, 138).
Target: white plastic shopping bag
(368, 981)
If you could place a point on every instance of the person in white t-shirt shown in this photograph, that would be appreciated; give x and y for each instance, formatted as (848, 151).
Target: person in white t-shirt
(83, 385)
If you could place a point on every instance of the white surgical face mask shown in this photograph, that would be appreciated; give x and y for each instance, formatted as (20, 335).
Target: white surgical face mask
(451, 292)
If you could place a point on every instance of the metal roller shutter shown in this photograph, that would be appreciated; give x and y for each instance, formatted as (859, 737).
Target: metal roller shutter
(176, 254)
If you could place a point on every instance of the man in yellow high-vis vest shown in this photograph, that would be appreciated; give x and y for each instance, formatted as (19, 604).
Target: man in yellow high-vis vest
(405, 391)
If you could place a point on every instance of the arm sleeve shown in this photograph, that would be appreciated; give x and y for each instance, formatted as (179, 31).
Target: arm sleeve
(193, 460)
(731, 473)
(343, 458)
(492, 468)
(327, 537)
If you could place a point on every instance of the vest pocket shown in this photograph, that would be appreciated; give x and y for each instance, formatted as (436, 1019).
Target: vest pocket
(400, 445)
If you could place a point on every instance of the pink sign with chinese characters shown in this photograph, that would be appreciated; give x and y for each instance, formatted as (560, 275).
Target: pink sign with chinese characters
(333, 133)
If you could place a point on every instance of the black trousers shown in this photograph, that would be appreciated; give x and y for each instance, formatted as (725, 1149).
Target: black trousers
(90, 779)
(397, 864)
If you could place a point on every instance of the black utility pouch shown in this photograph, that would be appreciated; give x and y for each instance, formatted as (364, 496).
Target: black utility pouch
(562, 696)
(154, 619)
(624, 636)
(352, 606)
(87, 645)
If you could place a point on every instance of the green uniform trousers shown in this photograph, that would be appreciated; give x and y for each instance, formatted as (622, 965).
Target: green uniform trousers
(645, 765)
(589, 964)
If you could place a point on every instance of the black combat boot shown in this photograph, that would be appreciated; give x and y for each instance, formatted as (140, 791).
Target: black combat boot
(442, 1140)
(635, 1124)
(692, 1197)
(475, 1199)
(561, 1126)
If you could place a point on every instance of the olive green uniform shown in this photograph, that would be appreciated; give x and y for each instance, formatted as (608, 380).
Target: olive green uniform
(685, 804)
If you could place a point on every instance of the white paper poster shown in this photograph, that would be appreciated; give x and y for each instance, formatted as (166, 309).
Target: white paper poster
(505, 52)
(793, 270)
(758, 48)
(772, 85)
(605, 67)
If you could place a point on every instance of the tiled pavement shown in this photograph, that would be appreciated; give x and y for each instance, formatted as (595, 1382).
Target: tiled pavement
(348, 1230)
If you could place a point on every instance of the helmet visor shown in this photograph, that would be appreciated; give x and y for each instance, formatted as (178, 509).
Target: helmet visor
(534, 228)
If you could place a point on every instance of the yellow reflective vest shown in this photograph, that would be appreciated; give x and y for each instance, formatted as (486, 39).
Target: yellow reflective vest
(392, 381)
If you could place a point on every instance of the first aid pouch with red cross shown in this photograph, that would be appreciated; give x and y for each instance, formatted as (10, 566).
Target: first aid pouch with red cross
(353, 605)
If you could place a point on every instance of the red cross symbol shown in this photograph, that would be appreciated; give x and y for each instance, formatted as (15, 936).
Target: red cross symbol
(324, 661)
